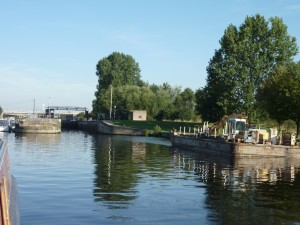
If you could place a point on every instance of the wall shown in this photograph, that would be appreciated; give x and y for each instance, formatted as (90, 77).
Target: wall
(38, 125)
(104, 127)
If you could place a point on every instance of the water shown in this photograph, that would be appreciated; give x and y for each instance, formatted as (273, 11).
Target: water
(80, 178)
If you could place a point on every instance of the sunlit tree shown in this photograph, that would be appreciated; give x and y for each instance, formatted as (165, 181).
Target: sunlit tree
(247, 55)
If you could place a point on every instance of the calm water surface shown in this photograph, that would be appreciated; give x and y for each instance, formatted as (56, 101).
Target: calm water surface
(80, 178)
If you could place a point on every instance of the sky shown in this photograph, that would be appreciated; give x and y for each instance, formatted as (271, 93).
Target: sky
(49, 49)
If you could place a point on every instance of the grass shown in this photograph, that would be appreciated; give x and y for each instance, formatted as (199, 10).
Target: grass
(166, 126)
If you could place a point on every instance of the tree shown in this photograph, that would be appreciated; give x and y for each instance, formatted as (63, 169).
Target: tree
(207, 106)
(184, 105)
(247, 55)
(279, 94)
(1, 111)
(115, 70)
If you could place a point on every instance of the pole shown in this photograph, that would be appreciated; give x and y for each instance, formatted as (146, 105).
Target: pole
(110, 109)
(33, 105)
(49, 114)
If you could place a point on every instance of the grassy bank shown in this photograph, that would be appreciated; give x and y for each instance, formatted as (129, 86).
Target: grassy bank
(165, 126)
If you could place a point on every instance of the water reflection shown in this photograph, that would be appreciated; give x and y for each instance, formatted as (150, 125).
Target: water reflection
(246, 190)
(42, 141)
(78, 178)
(119, 163)
(115, 173)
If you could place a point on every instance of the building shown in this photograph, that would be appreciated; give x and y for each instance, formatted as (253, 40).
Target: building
(140, 115)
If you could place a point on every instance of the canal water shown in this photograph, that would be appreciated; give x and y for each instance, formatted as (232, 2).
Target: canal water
(80, 179)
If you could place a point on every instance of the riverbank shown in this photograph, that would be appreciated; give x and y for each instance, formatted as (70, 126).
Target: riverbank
(127, 127)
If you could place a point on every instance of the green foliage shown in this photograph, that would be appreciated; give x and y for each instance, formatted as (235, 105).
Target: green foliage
(119, 74)
(279, 94)
(247, 56)
(116, 70)
(207, 105)
(157, 130)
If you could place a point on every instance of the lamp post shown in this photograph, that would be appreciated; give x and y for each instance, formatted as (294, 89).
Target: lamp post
(49, 114)
(115, 112)
(110, 108)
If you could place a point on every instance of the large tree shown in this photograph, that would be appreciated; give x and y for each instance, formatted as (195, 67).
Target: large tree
(279, 94)
(247, 55)
(115, 70)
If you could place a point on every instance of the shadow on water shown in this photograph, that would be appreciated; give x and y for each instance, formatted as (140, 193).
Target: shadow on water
(246, 190)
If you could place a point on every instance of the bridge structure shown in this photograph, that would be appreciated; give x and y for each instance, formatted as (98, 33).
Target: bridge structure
(50, 111)
(68, 108)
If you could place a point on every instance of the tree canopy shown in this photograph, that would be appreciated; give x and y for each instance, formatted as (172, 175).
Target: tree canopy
(247, 56)
(115, 70)
(279, 95)
(118, 69)
(119, 75)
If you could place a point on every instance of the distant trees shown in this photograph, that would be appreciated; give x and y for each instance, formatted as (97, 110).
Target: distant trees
(279, 94)
(119, 74)
(247, 56)
(1, 111)
(116, 70)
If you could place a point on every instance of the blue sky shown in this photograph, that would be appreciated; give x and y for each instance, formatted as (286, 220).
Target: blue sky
(49, 49)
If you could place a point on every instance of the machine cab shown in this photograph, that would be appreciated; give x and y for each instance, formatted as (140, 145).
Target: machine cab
(234, 127)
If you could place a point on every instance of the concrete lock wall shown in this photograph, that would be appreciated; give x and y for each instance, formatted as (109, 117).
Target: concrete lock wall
(104, 127)
(38, 125)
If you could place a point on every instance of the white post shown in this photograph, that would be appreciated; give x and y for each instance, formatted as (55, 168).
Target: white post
(215, 133)
(183, 130)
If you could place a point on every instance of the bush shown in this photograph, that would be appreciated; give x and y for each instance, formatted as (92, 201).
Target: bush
(156, 130)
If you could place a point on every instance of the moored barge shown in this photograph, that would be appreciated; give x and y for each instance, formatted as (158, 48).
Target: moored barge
(236, 139)
(221, 146)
